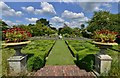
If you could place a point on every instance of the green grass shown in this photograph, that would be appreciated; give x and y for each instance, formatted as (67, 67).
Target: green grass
(115, 66)
(60, 54)
(6, 53)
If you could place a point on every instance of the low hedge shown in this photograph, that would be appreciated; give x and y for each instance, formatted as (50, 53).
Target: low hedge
(86, 62)
(72, 50)
(35, 63)
(38, 54)
(82, 52)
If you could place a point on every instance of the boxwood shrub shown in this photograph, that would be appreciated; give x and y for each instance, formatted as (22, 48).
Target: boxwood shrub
(84, 52)
(37, 52)
(35, 63)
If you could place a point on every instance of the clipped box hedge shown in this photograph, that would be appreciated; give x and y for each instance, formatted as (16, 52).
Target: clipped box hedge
(84, 52)
(37, 52)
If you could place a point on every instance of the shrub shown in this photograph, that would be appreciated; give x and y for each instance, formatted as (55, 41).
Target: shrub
(66, 35)
(73, 51)
(85, 34)
(87, 62)
(35, 63)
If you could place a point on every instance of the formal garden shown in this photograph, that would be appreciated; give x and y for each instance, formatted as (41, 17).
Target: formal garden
(29, 49)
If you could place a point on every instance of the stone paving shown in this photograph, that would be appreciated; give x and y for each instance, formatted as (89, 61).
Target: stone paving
(64, 70)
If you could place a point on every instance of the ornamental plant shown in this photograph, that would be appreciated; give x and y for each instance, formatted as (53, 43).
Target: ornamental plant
(16, 35)
(105, 36)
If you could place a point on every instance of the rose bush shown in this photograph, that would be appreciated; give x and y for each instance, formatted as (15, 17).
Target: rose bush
(105, 36)
(16, 35)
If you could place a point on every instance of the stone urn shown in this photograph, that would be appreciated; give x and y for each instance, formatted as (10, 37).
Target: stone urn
(102, 60)
(17, 63)
(16, 46)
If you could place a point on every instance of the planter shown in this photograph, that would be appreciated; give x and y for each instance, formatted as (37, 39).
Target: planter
(17, 63)
(103, 46)
(16, 46)
(102, 60)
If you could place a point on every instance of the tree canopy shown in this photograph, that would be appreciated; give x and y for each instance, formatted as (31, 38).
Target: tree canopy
(41, 28)
(43, 21)
(104, 20)
(3, 25)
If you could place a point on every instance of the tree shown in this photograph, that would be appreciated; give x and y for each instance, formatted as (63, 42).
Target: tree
(3, 25)
(67, 30)
(104, 20)
(43, 21)
(82, 26)
(76, 31)
(53, 28)
(31, 25)
(59, 31)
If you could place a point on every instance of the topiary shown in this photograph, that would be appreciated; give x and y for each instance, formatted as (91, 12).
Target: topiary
(35, 63)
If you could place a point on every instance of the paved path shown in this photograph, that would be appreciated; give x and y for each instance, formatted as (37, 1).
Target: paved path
(64, 70)
(60, 54)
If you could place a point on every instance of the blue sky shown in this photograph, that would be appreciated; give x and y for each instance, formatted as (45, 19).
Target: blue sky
(71, 13)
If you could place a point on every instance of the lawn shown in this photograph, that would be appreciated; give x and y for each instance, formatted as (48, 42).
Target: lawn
(60, 55)
(37, 48)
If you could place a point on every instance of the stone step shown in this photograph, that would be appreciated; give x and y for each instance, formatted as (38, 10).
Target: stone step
(64, 70)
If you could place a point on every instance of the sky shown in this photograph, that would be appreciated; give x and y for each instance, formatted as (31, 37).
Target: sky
(72, 13)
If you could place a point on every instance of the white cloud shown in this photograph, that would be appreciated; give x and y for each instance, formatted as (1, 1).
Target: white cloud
(72, 19)
(90, 6)
(18, 13)
(7, 11)
(70, 23)
(18, 21)
(57, 22)
(31, 19)
(72, 15)
(67, 1)
(28, 9)
(9, 23)
(38, 11)
(45, 8)
(57, 25)
(57, 19)
(106, 5)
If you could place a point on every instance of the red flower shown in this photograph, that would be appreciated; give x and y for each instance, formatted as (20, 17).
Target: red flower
(105, 35)
(16, 35)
